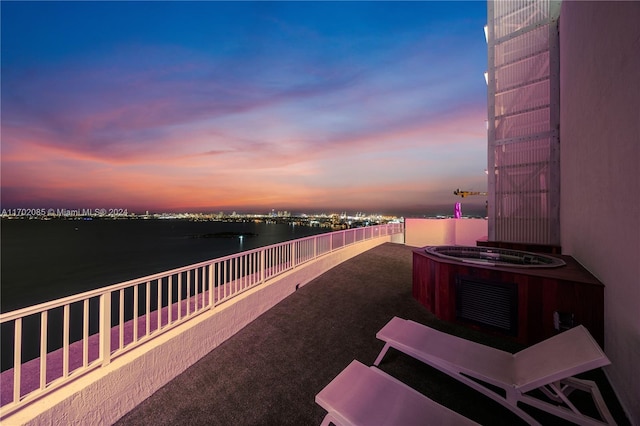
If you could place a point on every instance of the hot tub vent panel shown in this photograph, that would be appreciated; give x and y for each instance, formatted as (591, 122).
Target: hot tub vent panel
(488, 304)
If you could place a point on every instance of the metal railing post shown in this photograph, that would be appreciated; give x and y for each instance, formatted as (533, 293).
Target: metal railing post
(293, 255)
(211, 286)
(263, 264)
(17, 358)
(43, 348)
(105, 328)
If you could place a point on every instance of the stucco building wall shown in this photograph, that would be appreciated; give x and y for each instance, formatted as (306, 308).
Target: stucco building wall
(600, 170)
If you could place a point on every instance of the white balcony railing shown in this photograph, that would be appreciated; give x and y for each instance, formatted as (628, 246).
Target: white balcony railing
(58, 341)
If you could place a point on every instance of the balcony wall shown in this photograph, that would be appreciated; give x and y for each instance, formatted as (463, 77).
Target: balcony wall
(106, 394)
(438, 232)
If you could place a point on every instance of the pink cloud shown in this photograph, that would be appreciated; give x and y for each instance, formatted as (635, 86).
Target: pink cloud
(358, 170)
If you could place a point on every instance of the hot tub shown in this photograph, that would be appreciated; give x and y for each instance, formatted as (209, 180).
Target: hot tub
(495, 256)
(521, 295)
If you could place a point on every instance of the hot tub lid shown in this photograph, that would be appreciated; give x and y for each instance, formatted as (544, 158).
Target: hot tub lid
(489, 256)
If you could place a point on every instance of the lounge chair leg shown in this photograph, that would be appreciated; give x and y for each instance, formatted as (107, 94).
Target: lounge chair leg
(592, 388)
(572, 413)
(328, 419)
(383, 352)
(559, 391)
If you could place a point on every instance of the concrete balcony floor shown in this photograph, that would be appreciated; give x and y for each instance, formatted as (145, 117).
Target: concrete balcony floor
(270, 372)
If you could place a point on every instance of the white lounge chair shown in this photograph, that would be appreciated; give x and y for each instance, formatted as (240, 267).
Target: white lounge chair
(366, 396)
(547, 366)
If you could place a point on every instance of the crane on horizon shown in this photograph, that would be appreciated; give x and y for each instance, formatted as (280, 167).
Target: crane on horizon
(467, 193)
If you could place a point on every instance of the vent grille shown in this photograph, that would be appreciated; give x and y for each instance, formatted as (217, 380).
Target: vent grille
(490, 304)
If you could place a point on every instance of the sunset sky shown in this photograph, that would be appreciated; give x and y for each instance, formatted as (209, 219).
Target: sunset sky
(377, 107)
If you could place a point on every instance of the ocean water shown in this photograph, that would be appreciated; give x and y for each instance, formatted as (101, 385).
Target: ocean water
(46, 260)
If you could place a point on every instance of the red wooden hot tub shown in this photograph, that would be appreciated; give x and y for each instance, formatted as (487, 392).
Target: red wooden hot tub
(526, 296)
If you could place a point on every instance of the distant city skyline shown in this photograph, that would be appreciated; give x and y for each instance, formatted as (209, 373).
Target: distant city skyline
(377, 107)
